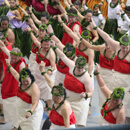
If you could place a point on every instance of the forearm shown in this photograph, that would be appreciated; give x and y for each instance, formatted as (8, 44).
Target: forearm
(4, 48)
(90, 68)
(34, 39)
(38, 22)
(7, 3)
(50, 83)
(34, 106)
(18, 18)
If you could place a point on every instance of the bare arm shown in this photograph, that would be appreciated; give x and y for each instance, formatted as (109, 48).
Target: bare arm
(61, 8)
(11, 36)
(18, 16)
(95, 34)
(7, 3)
(96, 48)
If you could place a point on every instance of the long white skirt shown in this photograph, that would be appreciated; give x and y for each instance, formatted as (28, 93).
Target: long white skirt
(0, 95)
(80, 106)
(123, 80)
(32, 62)
(11, 111)
(103, 122)
(53, 126)
(107, 76)
(32, 123)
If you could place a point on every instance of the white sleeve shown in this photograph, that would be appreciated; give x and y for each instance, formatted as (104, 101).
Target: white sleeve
(127, 19)
(101, 17)
(119, 21)
(85, 7)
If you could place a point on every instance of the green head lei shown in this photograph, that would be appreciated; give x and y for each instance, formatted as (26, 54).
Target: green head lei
(96, 5)
(71, 14)
(23, 73)
(88, 34)
(111, 36)
(42, 26)
(81, 61)
(118, 93)
(16, 54)
(46, 38)
(65, 51)
(59, 88)
(124, 42)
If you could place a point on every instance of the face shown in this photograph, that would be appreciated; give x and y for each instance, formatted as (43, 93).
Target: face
(44, 20)
(125, 49)
(114, 1)
(88, 17)
(45, 45)
(71, 19)
(57, 99)
(77, 7)
(4, 24)
(79, 68)
(26, 81)
(42, 33)
(14, 58)
(96, 9)
(12, 3)
(115, 102)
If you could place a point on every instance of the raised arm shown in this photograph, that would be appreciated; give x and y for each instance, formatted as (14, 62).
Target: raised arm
(12, 70)
(11, 36)
(61, 8)
(102, 84)
(112, 43)
(7, 3)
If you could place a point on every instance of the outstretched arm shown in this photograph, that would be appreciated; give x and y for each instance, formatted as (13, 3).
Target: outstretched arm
(102, 84)
(7, 3)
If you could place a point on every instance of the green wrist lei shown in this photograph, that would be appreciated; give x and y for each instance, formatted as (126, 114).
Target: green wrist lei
(61, 23)
(30, 31)
(86, 97)
(122, 2)
(16, 54)
(95, 27)
(48, 108)
(71, 5)
(102, 2)
(42, 73)
(96, 73)
(50, 70)
(42, 27)
(9, 67)
(90, 75)
(30, 112)
(51, 34)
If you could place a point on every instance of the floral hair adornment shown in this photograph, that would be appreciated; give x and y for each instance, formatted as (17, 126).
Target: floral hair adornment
(65, 50)
(23, 73)
(125, 43)
(46, 38)
(59, 88)
(71, 14)
(81, 61)
(83, 34)
(42, 26)
(118, 93)
(16, 54)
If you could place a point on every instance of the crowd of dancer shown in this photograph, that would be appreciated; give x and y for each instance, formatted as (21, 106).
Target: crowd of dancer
(67, 43)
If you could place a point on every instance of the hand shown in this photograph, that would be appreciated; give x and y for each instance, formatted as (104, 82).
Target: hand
(7, 61)
(59, 19)
(100, 4)
(53, 43)
(30, 9)
(23, 11)
(42, 66)
(118, 29)
(12, 17)
(28, 114)
(118, 13)
(49, 72)
(82, 95)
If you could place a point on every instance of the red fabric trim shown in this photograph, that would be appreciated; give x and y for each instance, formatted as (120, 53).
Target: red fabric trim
(34, 50)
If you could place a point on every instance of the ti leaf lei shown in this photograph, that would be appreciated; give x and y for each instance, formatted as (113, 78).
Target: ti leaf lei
(25, 88)
(83, 49)
(44, 56)
(70, 26)
(62, 102)
(84, 23)
(96, 14)
(114, 5)
(14, 65)
(80, 74)
(104, 53)
(105, 112)
(123, 56)
(53, 3)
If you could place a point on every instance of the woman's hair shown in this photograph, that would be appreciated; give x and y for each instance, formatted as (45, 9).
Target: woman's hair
(4, 18)
(45, 14)
(28, 72)
(69, 47)
(88, 11)
(72, 10)
(124, 39)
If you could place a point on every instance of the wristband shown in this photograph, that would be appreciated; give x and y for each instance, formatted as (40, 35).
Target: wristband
(95, 27)
(89, 104)
(50, 70)
(54, 47)
(42, 73)
(30, 31)
(96, 73)
(71, 5)
(30, 112)
(9, 67)
(81, 39)
(51, 34)
(90, 75)
(49, 108)
(86, 97)
(61, 23)
(102, 2)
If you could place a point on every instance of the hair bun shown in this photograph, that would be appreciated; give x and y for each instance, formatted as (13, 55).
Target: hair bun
(60, 84)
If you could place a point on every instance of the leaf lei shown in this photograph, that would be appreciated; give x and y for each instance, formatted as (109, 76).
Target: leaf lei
(113, 6)
(25, 88)
(14, 8)
(80, 74)
(83, 49)
(123, 56)
(14, 65)
(96, 14)
(53, 3)
(104, 53)
(62, 102)
(84, 23)
(105, 112)
(44, 56)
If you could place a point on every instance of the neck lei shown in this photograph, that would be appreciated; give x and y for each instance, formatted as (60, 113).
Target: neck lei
(64, 65)
(83, 49)
(62, 102)
(114, 5)
(25, 88)
(79, 74)
(38, 54)
(84, 23)
(13, 8)
(96, 14)
(52, 3)
(105, 112)
(123, 56)
(104, 53)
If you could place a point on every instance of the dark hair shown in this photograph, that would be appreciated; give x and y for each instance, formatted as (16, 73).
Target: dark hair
(64, 91)
(77, 3)
(85, 33)
(72, 10)
(30, 75)
(96, 5)
(88, 11)
(45, 14)
(27, 8)
(127, 8)
(125, 39)
(68, 48)
(4, 18)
